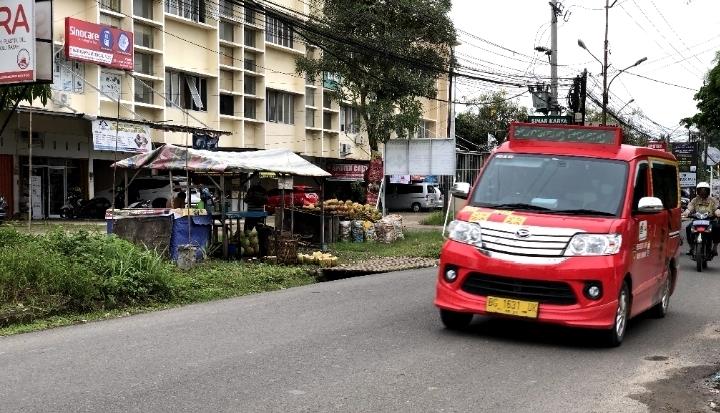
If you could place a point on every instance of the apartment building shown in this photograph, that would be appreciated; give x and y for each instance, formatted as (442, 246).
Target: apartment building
(199, 65)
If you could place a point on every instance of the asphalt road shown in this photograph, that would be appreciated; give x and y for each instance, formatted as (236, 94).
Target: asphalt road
(368, 344)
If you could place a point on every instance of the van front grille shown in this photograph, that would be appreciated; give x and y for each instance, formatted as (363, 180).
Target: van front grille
(545, 292)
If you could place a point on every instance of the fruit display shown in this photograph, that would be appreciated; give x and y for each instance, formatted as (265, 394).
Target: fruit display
(347, 209)
(248, 242)
(318, 258)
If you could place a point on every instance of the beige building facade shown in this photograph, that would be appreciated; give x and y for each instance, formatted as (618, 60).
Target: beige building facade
(204, 64)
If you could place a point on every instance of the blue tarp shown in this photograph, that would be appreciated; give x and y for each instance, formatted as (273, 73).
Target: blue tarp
(199, 234)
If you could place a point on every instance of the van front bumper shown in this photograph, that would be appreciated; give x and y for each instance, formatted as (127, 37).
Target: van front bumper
(572, 273)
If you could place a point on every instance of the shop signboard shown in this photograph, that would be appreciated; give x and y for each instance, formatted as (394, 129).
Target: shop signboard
(686, 154)
(348, 171)
(399, 179)
(561, 120)
(17, 41)
(102, 45)
(659, 145)
(688, 179)
(129, 137)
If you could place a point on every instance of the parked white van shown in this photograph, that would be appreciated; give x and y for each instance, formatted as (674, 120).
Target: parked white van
(415, 197)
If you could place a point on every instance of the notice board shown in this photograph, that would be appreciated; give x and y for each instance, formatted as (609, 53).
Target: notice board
(420, 157)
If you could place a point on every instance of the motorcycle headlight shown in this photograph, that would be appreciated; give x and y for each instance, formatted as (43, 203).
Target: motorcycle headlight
(594, 245)
(465, 232)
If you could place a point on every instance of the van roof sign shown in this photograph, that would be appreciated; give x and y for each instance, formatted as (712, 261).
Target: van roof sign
(596, 135)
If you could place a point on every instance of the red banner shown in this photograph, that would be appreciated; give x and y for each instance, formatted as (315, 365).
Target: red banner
(102, 45)
(348, 171)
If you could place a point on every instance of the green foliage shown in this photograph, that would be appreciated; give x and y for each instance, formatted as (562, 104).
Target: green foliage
(49, 274)
(707, 119)
(385, 54)
(9, 95)
(490, 113)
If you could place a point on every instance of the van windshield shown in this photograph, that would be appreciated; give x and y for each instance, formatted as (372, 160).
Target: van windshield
(552, 184)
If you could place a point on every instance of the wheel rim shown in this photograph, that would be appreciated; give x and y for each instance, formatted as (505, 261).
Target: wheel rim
(666, 294)
(621, 314)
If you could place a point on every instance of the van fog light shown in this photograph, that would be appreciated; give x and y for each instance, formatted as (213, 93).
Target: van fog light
(593, 290)
(450, 275)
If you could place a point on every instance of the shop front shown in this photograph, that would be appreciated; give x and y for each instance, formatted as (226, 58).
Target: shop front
(347, 182)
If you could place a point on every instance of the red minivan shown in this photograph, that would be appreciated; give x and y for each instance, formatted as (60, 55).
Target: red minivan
(565, 225)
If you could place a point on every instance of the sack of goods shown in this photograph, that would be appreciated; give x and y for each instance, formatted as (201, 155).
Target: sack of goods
(385, 231)
(345, 230)
(358, 232)
(396, 221)
(369, 229)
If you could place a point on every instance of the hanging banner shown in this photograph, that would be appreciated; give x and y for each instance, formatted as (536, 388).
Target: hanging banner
(17, 41)
(130, 137)
(93, 43)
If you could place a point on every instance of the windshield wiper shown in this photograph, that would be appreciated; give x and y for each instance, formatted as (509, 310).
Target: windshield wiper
(518, 205)
(583, 212)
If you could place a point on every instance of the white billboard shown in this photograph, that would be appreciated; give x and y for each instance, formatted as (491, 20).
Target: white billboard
(687, 179)
(17, 42)
(130, 137)
(420, 157)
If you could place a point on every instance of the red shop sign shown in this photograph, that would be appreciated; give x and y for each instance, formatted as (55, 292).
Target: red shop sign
(102, 45)
(348, 171)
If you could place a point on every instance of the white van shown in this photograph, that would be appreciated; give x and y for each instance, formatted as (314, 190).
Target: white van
(415, 197)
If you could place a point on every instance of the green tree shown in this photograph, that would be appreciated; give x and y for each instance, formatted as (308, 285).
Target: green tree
(384, 56)
(631, 134)
(490, 113)
(707, 119)
(11, 95)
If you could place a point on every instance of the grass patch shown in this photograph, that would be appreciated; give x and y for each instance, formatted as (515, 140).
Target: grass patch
(435, 218)
(62, 278)
(422, 243)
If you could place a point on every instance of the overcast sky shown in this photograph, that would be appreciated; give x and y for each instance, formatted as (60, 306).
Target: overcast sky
(678, 37)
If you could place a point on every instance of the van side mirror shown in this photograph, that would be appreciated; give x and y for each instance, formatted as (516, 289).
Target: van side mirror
(650, 205)
(460, 190)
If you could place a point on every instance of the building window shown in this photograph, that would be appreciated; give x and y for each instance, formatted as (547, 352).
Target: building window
(227, 31)
(278, 32)
(227, 105)
(327, 101)
(250, 85)
(111, 21)
(112, 5)
(186, 91)
(280, 107)
(250, 37)
(67, 76)
(143, 93)
(190, 9)
(227, 56)
(330, 81)
(144, 63)
(349, 119)
(250, 62)
(143, 8)
(143, 35)
(226, 80)
(227, 9)
(309, 97)
(424, 130)
(327, 121)
(310, 118)
(250, 110)
(249, 16)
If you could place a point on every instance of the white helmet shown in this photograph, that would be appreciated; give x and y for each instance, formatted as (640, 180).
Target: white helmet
(703, 185)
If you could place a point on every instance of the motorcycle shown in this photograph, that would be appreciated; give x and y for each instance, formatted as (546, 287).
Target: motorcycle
(702, 251)
(73, 205)
(3, 209)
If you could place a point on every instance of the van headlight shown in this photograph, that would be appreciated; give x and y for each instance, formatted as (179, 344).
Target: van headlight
(594, 244)
(465, 232)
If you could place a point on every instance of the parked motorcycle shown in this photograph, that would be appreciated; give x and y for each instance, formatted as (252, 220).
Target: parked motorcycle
(3, 209)
(73, 205)
(701, 228)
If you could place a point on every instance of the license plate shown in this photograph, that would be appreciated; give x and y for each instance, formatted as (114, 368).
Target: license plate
(701, 222)
(509, 306)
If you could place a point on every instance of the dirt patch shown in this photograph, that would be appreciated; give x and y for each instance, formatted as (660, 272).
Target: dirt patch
(656, 358)
(684, 390)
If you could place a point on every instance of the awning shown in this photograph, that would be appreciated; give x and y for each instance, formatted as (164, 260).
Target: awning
(171, 157)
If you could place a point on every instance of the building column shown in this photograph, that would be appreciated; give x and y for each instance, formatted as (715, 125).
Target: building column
(91, 175)
(16, 184)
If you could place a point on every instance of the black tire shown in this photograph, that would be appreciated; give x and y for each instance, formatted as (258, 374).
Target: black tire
(699, 257)
(415, 207)
(453, 320)
(614, 337)
(661, 308)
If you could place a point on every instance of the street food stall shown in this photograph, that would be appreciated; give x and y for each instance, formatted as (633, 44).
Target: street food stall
(219, 166)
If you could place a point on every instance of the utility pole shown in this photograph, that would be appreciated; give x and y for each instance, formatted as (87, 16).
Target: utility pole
(583, 95)
(605, 62)
(554, 11)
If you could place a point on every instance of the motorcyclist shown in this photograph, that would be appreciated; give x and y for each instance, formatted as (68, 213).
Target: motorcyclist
(703, 202)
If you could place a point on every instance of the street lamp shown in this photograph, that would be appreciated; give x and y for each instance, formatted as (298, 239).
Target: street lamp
(606, 84)
(624, 106)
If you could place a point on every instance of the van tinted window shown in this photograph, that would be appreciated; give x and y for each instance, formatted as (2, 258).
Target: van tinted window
(641, 185)
(409, 189)
(431, 189)
(665, 183)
